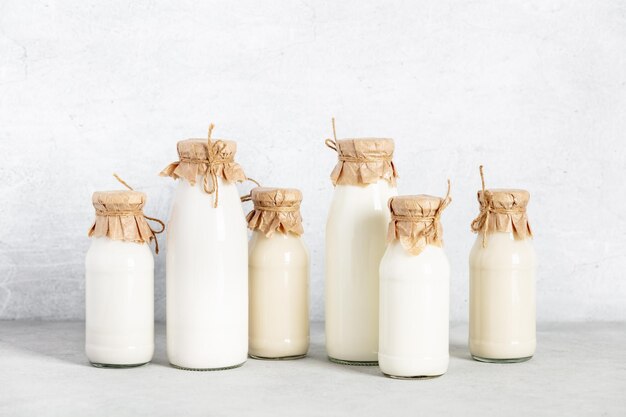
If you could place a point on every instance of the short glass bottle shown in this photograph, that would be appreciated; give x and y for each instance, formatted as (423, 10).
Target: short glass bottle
(278, 270)
(414, 291)
(502, 279)
(119, 286)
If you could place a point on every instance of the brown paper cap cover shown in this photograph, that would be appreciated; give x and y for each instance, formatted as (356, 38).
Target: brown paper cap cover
(364, 161)
(503, 210)
(119, 216)
(415, 221)
(196, 157)
(276, 209)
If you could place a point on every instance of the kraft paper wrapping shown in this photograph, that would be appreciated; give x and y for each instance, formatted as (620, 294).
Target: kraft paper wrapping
(276, 210)
(197, 157)
(503, 210)
(119, 216)
(415, 221)
(363, 161)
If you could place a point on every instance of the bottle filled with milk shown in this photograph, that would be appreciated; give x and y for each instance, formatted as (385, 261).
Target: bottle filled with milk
(119, 286)
(364, 180)
(278, 269)
(207, 259)
(414, 290)
(502, 278)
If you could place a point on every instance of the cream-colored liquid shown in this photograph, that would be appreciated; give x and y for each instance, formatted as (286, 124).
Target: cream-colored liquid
(279, 296)
(119, 304)
(356, 233)
(502, 298)
(207, 278)
(414, 305)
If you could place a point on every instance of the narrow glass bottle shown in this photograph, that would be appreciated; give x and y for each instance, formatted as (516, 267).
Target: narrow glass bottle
(207, 259)
(119, 286)
(414, 290)
(364, 180)
(278, 269)
(502, 278)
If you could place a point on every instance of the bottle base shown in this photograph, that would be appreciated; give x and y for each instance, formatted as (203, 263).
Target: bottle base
(278, 358)
(224, 368)
(412, 377)
(352, 363)
(511, 360)
(116, 366)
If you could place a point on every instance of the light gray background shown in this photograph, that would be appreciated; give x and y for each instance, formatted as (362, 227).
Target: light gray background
(535, 90)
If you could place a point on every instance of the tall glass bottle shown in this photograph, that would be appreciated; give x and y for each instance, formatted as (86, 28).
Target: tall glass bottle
(119, 287)
(364, 180)
(207, 259)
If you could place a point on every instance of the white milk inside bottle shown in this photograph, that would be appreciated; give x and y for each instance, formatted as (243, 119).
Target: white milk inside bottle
(414, 291)
(364, 180)
(278, 276)
(207, 259)
(502, 279)
(119, 286)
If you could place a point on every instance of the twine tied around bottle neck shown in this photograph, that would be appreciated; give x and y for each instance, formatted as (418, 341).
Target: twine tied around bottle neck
(432, 221)
(213, 161)
(278, 209)
(481, 223)
(332, 144)
(138, 212)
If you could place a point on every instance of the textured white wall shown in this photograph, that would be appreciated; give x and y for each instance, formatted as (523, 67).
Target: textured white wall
(535, 90)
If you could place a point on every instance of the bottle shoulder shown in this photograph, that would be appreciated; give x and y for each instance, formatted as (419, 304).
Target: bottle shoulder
(276, 249)
(502, 250)
(185, 192)
(381, 189)
(104, 251)
(352, 202)
(397, 260)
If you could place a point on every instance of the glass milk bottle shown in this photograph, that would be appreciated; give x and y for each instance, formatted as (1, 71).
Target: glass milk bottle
(414, 290)
(502, 279)
(207, 259)
(364, 180)
(278, 269)
(119, 285)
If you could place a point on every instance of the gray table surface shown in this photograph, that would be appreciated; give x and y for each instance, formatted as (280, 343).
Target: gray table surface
(579, 369)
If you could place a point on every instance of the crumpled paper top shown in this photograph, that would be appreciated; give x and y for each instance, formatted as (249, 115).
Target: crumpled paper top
(503, 210)
(275, 209)
(415, 221)
(364, 161)
(196, 157)
(119, 216)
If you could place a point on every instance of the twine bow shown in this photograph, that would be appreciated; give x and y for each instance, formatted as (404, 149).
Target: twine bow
(214, 149)
(136, 213)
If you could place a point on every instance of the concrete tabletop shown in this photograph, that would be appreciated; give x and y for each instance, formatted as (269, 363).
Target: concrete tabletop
(579, 369)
